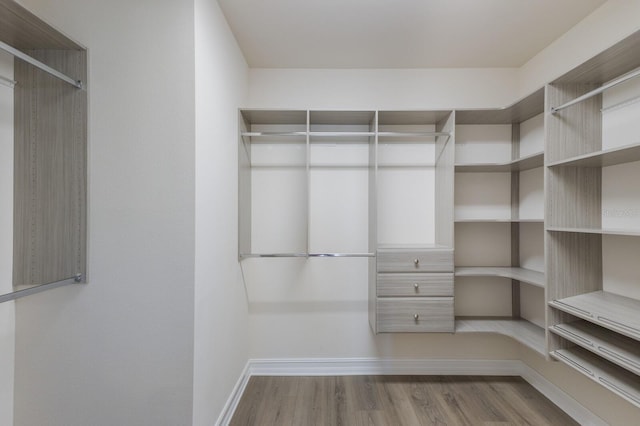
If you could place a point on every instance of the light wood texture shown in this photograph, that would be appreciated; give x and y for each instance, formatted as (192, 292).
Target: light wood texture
(372, 243)
(415, 314)
(515, 227)
(414, 285)
(520, 164)
(499, 220)
(415, 260)
(608, 157)
(520, 111)
(50, 170)
(444, 182)
(618, 59)
(627, 232)
(521, 330)
(620, 350)
(534, 278)
(618, 313)
(394, 400)
(25, 31)
(614, 378)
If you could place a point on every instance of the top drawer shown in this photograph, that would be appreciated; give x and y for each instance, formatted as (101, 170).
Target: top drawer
(415, 260)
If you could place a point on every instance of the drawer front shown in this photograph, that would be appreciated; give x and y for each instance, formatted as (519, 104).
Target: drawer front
(428, 260)
(415, 315)
(415, 285)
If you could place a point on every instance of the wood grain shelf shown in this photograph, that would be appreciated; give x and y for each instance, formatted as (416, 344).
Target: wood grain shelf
(608, 157)
(614, 378)
(521, 330)
(521, 164)
(499, 220)
(617, 313)
(622, 232)
(528, 276)
(620, 350)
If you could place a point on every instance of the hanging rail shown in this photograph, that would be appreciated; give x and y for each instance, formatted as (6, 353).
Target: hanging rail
(597, 91)
(4, 81)
(36, 63)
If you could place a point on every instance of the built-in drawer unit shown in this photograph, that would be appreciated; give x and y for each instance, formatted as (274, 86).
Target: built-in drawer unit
(414, 289)
(415, 284)
(415, 314)
(415, 260)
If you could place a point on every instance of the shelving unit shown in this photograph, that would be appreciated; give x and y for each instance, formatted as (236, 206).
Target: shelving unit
(488, 203)
(593, 326)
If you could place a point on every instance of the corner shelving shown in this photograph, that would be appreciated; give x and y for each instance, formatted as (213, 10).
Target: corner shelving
(528, 276)
(518, 165)
(521, 330)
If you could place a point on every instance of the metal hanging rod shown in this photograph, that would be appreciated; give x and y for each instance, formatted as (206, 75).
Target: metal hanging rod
(36, 63)
(306, 255)
(597, 91)
(4, 81)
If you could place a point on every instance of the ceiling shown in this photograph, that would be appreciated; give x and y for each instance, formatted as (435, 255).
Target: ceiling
(399, 33)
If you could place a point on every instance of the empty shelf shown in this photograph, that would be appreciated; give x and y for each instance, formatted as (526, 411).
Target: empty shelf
(521, 330)
(521, 164)
(524, 275)
(499, 220)
(618, 313)
(623, 232)
(614, 378)
(618, 349)
(608, 157)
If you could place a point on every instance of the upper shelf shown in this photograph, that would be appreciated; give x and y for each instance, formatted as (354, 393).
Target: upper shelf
(608, 157)
(521, 164)
(520, 111)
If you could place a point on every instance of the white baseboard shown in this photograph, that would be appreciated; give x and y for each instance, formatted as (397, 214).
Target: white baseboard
(233, 400)
(375, 366)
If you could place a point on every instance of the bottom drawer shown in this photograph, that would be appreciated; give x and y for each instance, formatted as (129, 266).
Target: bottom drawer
(415, 315)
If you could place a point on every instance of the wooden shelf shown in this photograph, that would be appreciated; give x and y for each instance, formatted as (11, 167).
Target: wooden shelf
(528, 276)
(618, 313)
(521, 330)
(520, 111)
(623, 232)
(499, 220)
(525, 163)
(614, 378)
(609, 157)
(620, 350)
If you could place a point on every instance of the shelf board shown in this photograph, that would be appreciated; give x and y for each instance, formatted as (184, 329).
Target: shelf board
(528, 276)
(520, 111)
(617, 313)
(499, 220)
(519, 329)
(624, 232)
(614, 378)
(521, 164)
(608, 157)
(620, 350)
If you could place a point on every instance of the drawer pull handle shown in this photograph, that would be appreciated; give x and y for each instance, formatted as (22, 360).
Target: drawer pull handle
(416, 317)
(416, 287)
(416, 262)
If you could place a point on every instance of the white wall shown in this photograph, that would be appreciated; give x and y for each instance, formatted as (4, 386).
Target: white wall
(7, 309)
(221, 347)
(119, 350)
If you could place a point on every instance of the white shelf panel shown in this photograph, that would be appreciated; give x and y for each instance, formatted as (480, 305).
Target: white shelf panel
(521, 330)
(623, 232)
(499, 220)
(608, 157)
(618, 313)
(521, 164)
(614, 378)
(620, 350)
(523, 275)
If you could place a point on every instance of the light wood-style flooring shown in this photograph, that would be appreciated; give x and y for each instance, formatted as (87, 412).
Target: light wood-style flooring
(395, 401)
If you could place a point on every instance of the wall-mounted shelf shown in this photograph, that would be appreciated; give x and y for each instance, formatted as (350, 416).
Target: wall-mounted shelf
(521, 164)
(618, 313)
(523, 275)
(614, 378)
(617, 349)
(622, 232)
(609, 157)
(521, 330)
(499, 220)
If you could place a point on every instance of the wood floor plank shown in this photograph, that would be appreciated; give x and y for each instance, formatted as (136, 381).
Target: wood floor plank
(395, 400)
